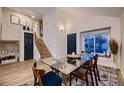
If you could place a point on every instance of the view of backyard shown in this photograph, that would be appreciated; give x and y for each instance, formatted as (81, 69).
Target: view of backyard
(98, 43)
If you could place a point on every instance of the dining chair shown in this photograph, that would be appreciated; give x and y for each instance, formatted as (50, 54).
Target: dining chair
(95, 65)
(82, 73)
(45, 79)
(95, 68)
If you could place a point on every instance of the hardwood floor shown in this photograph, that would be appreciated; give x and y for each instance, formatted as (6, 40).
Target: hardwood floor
(18, 73)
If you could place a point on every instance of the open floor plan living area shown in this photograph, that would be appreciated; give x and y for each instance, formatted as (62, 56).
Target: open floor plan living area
(61, 46)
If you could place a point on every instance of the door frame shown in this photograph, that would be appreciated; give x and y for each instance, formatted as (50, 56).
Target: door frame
(21, 44)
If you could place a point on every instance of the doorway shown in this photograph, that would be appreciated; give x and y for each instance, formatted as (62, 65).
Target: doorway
(71, 43)
(28, 46)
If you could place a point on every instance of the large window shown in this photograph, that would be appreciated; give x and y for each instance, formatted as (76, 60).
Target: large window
(96, 42)
(101, 43)
(89, 43)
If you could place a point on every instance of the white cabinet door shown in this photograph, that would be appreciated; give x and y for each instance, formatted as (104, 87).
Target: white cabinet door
(9, 31)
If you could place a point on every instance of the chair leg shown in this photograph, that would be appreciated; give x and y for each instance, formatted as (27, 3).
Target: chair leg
(35, 84)
(87, 80)
(98, 73)
(92, 78)
(35, 81)
(76, 79)
(95, 76)
(70, 78)
(64, 79)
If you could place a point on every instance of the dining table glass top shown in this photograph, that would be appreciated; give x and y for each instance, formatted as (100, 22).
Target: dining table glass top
(65, 66)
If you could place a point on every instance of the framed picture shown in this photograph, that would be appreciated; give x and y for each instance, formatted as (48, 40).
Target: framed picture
(12, 50)
(23, 22)
(14, 19)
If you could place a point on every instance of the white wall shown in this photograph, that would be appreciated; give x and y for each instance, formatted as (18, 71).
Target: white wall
(53, 37)
(36, 52)
(78, 21)
(122, 43)
(75, 22)
(15, 29)
(95, 22)
(61, 35)
(49, 31)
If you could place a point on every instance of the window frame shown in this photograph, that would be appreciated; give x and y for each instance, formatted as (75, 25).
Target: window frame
(100, 31)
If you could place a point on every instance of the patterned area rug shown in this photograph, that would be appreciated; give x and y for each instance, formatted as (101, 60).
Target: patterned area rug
(108, 77)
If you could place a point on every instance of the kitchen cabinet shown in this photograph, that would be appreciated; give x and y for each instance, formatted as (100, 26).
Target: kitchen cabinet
(8, 31)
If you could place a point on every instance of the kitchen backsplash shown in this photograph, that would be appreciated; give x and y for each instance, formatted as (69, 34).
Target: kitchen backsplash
(9, 51)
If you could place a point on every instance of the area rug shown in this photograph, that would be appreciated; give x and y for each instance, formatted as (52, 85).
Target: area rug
(108, 77)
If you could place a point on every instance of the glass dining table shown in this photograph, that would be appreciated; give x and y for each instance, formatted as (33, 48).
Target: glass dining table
(65, 67)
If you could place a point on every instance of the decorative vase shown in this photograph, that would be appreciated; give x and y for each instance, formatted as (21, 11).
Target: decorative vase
(28, 28)
(24, 27)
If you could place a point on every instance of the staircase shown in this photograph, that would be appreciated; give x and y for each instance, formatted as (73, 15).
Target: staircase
(42, 48)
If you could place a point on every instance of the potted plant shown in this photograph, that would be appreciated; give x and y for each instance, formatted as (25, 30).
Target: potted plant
(114, 48)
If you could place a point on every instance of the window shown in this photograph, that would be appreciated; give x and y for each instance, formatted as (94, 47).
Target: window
(101, 43)
(89, 43)
(96, 42)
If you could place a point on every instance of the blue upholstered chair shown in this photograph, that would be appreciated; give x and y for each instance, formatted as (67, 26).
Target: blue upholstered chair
(45, 79)
(51, 79)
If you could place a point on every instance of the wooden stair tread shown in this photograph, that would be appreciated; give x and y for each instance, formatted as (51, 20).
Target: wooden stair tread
(42, 48)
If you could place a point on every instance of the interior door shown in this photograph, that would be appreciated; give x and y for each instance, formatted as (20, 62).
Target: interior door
(71, 43)
(28, 46)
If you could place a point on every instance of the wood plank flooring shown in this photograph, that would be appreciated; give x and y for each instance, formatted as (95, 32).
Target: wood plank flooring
(18, 73)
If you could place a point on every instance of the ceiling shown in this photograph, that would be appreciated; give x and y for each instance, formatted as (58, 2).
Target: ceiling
(103, 11)
(98, 11)
(42, 10)
(39, 12)
(27, 12)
